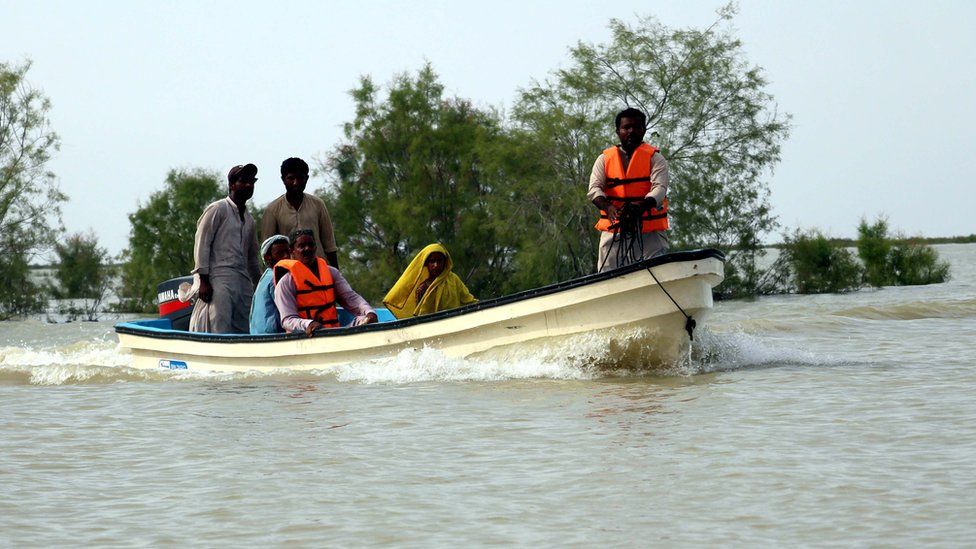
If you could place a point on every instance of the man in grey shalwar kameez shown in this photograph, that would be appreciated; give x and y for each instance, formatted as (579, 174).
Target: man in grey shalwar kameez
(226, 255)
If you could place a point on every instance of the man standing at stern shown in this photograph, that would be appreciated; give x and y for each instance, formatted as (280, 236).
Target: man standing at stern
(629, 185)
(225, 252)
(297, 209)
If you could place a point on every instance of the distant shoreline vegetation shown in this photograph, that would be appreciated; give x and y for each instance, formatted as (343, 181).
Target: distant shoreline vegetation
(85, 283)
(852, 243)
(840, 242)
(811, 263)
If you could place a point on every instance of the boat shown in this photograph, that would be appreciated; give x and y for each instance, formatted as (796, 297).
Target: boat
(660, 299)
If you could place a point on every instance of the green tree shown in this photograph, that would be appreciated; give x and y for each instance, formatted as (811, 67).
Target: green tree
(30, 201)
(19, 294)
(416, 168)
(161, 237)
(83, 274)
(915, 263)
(874, 249)
(548, 237)
(899, 261)
(809, 263)
(709, 112)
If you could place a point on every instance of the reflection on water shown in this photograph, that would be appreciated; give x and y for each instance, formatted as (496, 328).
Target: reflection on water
(628, 399)
(303, 391)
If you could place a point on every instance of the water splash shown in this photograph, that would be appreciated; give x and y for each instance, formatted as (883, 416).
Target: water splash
(722, 352)
(427, 364)
(632, 353)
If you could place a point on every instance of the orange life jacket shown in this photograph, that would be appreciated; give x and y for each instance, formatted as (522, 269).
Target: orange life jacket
(315, 296)
(631, 185)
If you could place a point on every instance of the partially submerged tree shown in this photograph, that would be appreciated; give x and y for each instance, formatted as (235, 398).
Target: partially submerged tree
(898, 261)
(19, 294)
(809, 263)
(708, 110)
(30, 201)
(915, 263)
(874, 249)
(84, 275)
(161, 237)
(418, 167)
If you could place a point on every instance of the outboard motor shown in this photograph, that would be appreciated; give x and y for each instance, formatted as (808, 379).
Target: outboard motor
(170, 306)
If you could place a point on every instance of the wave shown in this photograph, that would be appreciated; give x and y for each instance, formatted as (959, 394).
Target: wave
(916, 310)
(578, 357)
(95, 363)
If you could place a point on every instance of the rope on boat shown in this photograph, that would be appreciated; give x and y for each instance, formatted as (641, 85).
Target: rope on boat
(689, 321)
(631, 250)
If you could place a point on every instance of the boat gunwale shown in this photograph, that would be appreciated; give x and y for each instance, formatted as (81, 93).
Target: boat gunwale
(131, 328)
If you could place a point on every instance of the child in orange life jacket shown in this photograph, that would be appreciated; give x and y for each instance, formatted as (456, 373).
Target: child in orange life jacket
(307, 290)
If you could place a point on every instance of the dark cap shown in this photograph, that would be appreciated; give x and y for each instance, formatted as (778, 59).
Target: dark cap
(241, 170)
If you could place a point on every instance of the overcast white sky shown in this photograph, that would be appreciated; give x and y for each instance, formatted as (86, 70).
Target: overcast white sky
(882, 93)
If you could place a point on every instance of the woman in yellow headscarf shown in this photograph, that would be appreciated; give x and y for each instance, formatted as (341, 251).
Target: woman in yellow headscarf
(427, 286)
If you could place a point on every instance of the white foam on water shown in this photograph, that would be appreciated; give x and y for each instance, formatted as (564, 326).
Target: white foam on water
(79, 362)
(427, 364)
(75, 374)
(718, 352)
(38, 369)
(578, 357)
(88, 354)
(82, 362)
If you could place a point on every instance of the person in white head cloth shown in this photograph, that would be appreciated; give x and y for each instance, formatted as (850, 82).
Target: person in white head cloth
(265, 318)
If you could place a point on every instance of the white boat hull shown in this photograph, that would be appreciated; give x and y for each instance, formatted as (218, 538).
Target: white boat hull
(626, 303)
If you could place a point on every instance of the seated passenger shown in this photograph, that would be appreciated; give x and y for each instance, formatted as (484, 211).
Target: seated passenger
(428, 286)
(307, 290)
(264, 313)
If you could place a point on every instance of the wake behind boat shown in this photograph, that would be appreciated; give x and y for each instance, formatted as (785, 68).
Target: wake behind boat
(653, 296)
